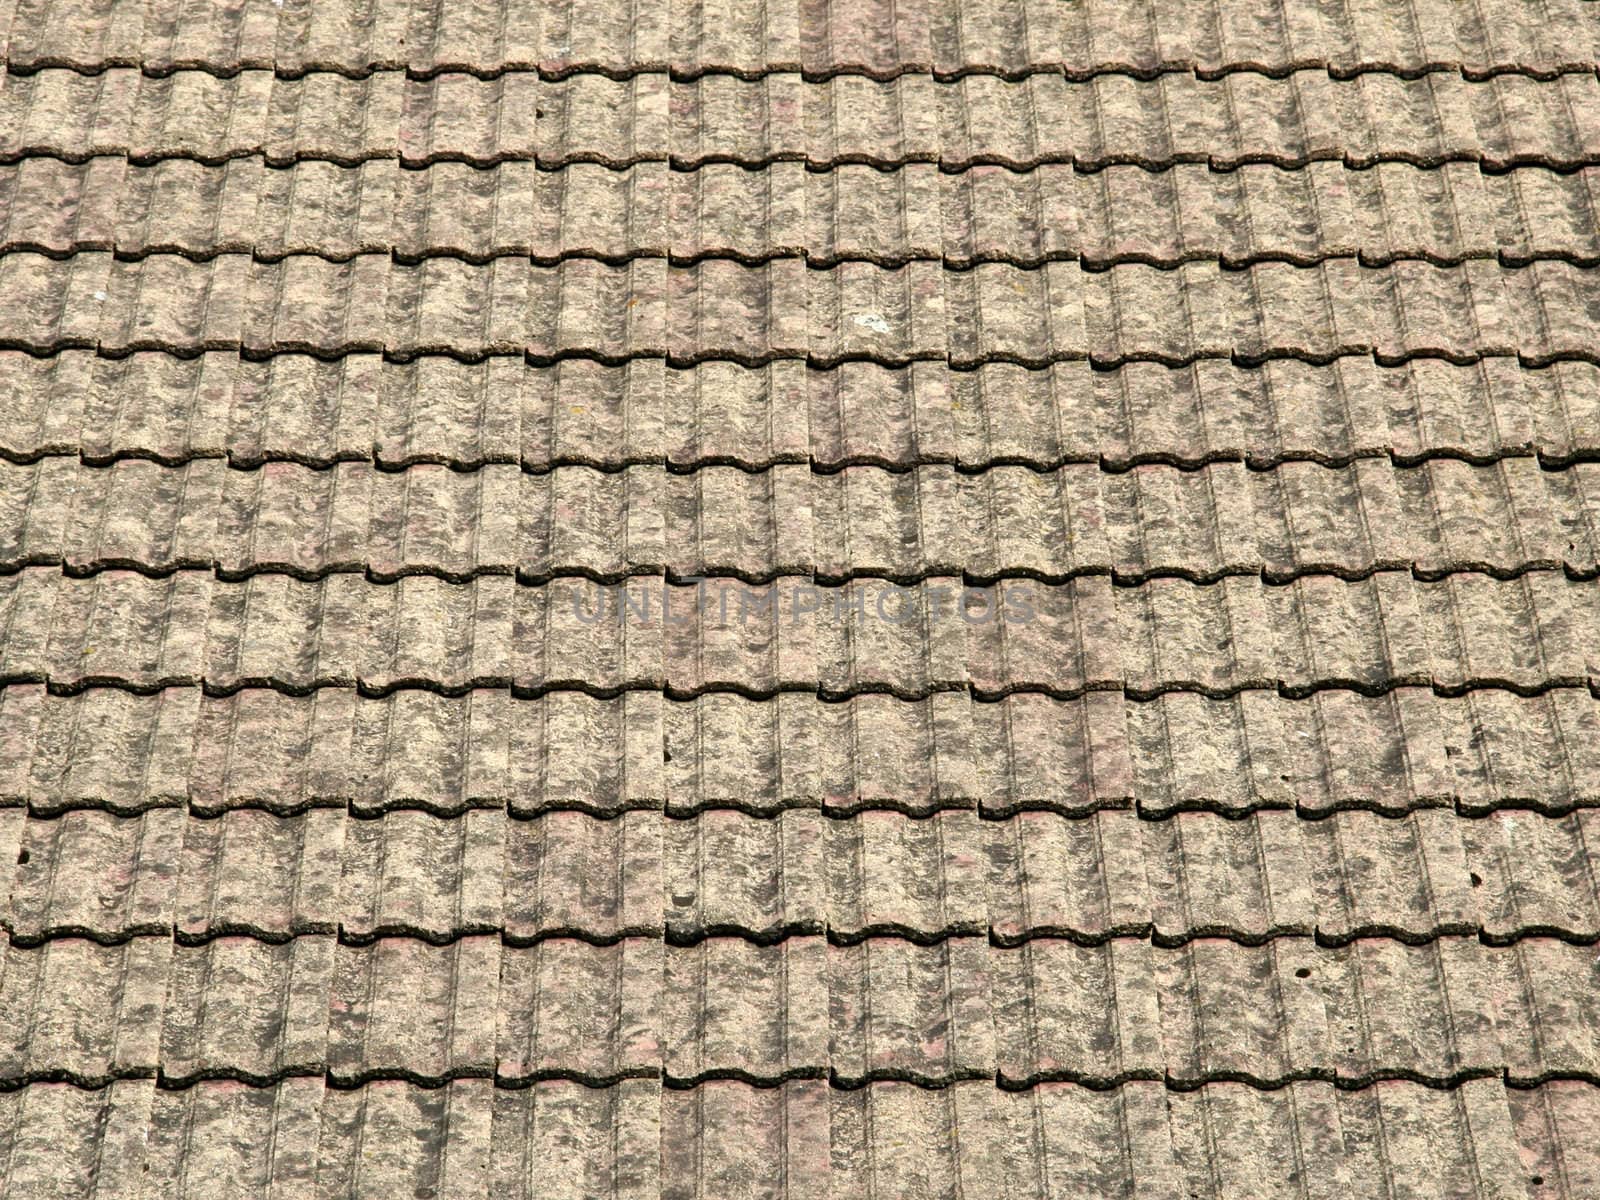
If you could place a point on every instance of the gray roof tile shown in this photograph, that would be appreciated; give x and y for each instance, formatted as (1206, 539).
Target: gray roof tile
(247, 1009)
(1247, 353)
(89, 1143)
(1335, 749)
(1534, 874)
(403, 1007)
(229, 1139)
(1555, 1126)
(81, 1011)
(436, 409)
(568, 1140)
(824, 37)
(906, 1012)
(573, 1010)
(722, 873)
(728, 1137)
(1219, 1140)
(733, 1010)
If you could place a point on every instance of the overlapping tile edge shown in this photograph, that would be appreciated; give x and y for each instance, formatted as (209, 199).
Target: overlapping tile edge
(944, 39)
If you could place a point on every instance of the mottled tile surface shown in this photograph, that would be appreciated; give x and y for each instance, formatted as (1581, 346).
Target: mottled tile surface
(800, 599)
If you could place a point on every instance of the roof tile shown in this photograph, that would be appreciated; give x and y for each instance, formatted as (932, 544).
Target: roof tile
(1548, 1018)
(58, 1136)
(1430, 1012)
(568, 873)
(475, 34)
(1089, 1014)
(56, 303)
(726, 1137)
(725, 36)
(1230, 1138)
(237, 1006)
(401, 1006)
(75, 1009)
(563, 1139)
(250, 872)
(594, 1013)
(1254, 1014)
(1521, 752)
(54, 206)
(185, 206)
(1423, 1138)
(590, 118)
(935, 1143)
(851, 119)
(431, 1139)
(1535, 874)
(725, 872)
(91, 874)
(443, 305)
(309, 305)
(323, 208)
(866, 35)
(1553, 1125)
(890, 873)
(413, 874)
(1376, 876)
(222, 1135)
(1081, 878)
(733, 1010)
(56, 110)
(458, 117)
(345, 34)
(907, 1012)
(1208, 875)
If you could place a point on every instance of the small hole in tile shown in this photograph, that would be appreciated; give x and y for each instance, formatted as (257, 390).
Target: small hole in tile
(1302, 973)
(1477, 880)
(666, 755)
(1536, 1180)
(22, 857)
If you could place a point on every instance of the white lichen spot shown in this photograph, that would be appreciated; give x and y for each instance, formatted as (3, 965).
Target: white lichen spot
(873, 322)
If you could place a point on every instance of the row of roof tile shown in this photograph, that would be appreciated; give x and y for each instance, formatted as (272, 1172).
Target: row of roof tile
(1307, 116)
(726, 1008)
(723, 873)
(297, 408)
(639, 1141)
(820, 36)
(1463, 632)
(1122, 214)
(1407, 750)
(1441, 517)
(719, 309)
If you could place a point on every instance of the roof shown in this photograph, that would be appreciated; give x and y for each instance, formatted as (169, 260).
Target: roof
(811, 599)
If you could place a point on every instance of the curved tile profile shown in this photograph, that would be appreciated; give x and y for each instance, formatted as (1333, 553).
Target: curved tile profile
(296, 408)
(1221, 1140)
(820, 36)
(862, 522)
(263, 750)
(873, 876)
